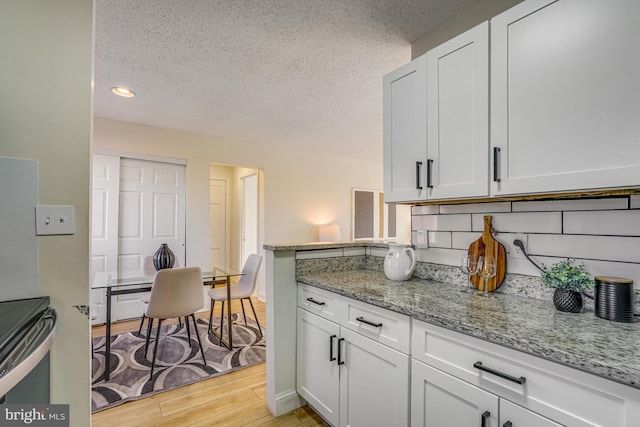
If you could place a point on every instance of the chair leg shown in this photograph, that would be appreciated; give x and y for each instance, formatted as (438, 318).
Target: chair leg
(221, 323)
(186, 322)
(255, 316)
(180, 321)
(141, 322)
(155, 349)
(149, 326)
(213, 303)
(243, 313)
(193, 317)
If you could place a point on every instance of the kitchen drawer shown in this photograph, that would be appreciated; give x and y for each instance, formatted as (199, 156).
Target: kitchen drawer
(323, 303)
(385, 326)
(563, 394)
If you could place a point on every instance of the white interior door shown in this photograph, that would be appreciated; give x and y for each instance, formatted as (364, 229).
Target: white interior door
(250, 223)
(104, 222)
(218, 221)
(249, 216)
(152, 212)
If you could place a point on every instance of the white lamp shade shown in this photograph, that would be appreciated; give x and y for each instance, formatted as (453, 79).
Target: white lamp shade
(329, 233)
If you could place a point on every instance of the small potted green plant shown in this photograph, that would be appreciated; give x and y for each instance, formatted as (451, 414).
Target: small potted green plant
(569, 281)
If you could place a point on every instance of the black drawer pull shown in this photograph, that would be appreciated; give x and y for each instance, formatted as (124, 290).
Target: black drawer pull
(418, 166)
(429, 167)
(340, 361)
(521, 380)
(368, 322)
(315, 302)
(496, 154)
(331, 356)
(507, 424)
(483, 419)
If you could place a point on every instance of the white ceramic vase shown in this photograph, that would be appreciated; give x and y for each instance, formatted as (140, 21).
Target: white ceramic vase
(399, 262)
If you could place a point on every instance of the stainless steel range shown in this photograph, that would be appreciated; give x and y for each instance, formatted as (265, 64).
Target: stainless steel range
(27, 329)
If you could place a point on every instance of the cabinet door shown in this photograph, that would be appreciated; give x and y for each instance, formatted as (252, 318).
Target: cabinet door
(405, 132)
(564, 96)
(439, 399)
(318, 378)
(458, 115)
(374, 383)
(518, 416)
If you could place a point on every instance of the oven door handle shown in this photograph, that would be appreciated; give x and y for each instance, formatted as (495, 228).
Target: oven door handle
(24, 358)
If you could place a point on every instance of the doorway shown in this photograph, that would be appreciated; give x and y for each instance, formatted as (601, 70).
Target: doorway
(234, 200)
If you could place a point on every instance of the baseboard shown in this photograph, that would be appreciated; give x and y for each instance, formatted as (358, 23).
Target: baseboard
(287, 402)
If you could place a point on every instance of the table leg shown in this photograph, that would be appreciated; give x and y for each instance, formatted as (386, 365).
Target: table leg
(229, 312)
(107, 350)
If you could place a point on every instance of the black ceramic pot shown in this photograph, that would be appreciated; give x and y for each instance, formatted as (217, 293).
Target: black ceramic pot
(569, 301)
(164, 257)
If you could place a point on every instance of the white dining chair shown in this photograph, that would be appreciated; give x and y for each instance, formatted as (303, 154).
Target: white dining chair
(176, 292)
(149, 270)
(241, 291)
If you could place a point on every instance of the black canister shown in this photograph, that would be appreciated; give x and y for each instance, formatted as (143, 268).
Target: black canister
(614, 298)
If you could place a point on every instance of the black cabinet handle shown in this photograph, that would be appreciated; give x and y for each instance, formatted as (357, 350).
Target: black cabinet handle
(483, 419)
(368, 322)
(429, 183)
(507, 424)
(340, 361)
(331, 356)
(521, 380)
(496, 154)
(315, 302)
(418, 166)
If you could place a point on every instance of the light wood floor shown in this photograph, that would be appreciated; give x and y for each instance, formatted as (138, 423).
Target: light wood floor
(234, 399)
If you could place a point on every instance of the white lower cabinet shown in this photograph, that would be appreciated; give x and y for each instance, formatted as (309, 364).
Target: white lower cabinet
(374, 383)
(455, 375)
(440, 399)
(348, 378)
(318, 373)
(360, 365)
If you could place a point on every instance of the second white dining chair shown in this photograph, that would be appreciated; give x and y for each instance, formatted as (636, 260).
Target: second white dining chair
(241, 291)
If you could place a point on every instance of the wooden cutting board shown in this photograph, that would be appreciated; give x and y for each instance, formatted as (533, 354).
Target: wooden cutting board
(486, 245)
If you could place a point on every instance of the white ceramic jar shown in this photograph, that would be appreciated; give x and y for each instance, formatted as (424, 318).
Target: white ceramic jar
(399, 262)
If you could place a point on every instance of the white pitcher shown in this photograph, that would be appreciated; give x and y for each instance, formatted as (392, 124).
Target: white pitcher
(399, 262)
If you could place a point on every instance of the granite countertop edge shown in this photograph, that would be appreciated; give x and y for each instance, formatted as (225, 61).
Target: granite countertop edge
(541, 342)
(325, 245)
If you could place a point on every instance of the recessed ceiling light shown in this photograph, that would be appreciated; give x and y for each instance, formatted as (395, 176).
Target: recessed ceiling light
(123, 91)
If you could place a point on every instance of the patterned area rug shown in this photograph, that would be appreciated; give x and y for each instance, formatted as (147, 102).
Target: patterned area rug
(179, 362)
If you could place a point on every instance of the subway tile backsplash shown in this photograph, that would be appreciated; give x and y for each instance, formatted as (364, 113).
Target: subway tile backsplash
(604, 233)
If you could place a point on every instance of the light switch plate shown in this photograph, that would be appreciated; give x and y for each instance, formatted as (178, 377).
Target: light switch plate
(55, 220)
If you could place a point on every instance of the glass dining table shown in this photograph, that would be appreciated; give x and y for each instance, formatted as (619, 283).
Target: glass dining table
(139, 281)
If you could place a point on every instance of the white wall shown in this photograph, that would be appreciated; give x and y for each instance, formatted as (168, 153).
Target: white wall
(301, 189)
(45, 114)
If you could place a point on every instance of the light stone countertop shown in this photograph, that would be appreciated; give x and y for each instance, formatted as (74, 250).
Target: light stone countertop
(582, 341)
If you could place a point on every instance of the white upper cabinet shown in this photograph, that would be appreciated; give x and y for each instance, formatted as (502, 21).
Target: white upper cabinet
(458, 115)
(405, 132)
(436, 122)
(565, 96)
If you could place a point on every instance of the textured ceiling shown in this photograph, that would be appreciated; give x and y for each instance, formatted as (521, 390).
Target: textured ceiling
(284, 73)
